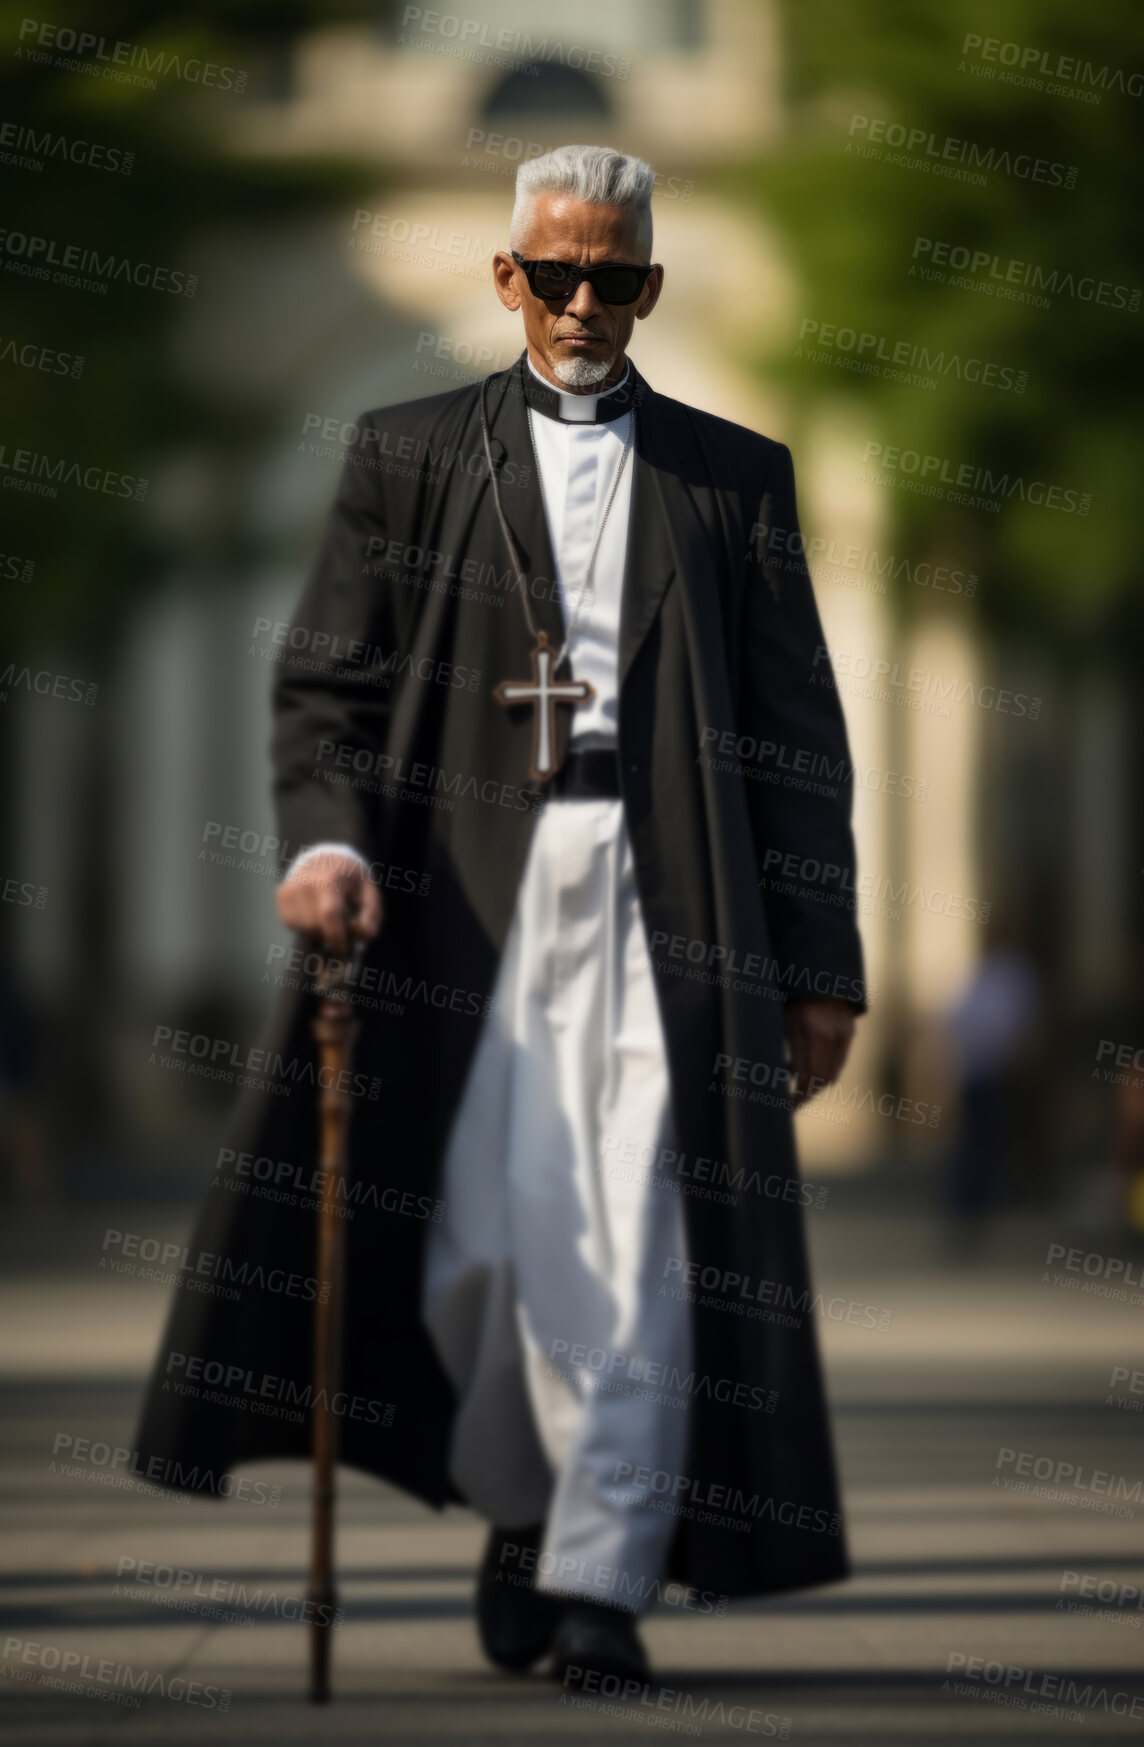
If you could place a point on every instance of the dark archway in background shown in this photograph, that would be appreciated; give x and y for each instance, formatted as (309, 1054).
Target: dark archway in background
(545, 88)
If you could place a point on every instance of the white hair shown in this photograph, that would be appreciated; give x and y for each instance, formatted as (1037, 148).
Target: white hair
(595, 174)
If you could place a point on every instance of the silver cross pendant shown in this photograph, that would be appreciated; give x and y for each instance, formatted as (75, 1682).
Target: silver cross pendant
(543, 692)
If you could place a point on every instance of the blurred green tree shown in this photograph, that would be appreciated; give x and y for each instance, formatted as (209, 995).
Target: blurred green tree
(91, 554)
(1065, 581)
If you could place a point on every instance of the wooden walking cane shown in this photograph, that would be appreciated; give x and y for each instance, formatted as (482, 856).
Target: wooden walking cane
(334, 1028)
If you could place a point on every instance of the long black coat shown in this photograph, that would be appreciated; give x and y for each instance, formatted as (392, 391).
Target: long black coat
(387, 738)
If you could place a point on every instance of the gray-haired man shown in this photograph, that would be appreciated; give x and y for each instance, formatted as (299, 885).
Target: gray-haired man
(594, 1357)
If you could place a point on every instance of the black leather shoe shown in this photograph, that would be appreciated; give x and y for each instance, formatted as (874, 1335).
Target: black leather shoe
(593, 1636)
(515, 1621)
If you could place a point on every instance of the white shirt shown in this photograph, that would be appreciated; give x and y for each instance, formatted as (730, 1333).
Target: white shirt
(578, 463)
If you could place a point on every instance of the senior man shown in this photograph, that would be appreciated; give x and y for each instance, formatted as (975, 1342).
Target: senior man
(546, 605)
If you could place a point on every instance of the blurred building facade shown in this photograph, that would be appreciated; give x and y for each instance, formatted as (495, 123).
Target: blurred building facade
(390, 298)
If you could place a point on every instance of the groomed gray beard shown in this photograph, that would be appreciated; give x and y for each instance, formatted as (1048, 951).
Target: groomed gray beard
(582, 372)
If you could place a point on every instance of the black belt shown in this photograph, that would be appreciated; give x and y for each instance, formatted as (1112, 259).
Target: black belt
(587, 776)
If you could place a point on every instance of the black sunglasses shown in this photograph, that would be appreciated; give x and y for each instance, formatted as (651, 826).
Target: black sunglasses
(555, 281)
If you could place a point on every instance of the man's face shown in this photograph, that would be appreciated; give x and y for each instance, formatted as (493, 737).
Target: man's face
(577, 343)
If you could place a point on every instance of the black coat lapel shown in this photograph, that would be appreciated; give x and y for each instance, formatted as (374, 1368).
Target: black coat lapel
(523, 501)
(666, 521)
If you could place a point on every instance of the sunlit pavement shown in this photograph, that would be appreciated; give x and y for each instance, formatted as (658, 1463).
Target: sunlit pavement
(984, 1367)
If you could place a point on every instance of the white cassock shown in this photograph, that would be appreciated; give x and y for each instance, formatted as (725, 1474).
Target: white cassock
(542, 1279)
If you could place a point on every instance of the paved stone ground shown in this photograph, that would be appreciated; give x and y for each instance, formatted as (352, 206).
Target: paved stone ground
(980, 1356)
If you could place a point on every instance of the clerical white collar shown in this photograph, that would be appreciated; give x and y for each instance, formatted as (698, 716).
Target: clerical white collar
(579, 408)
